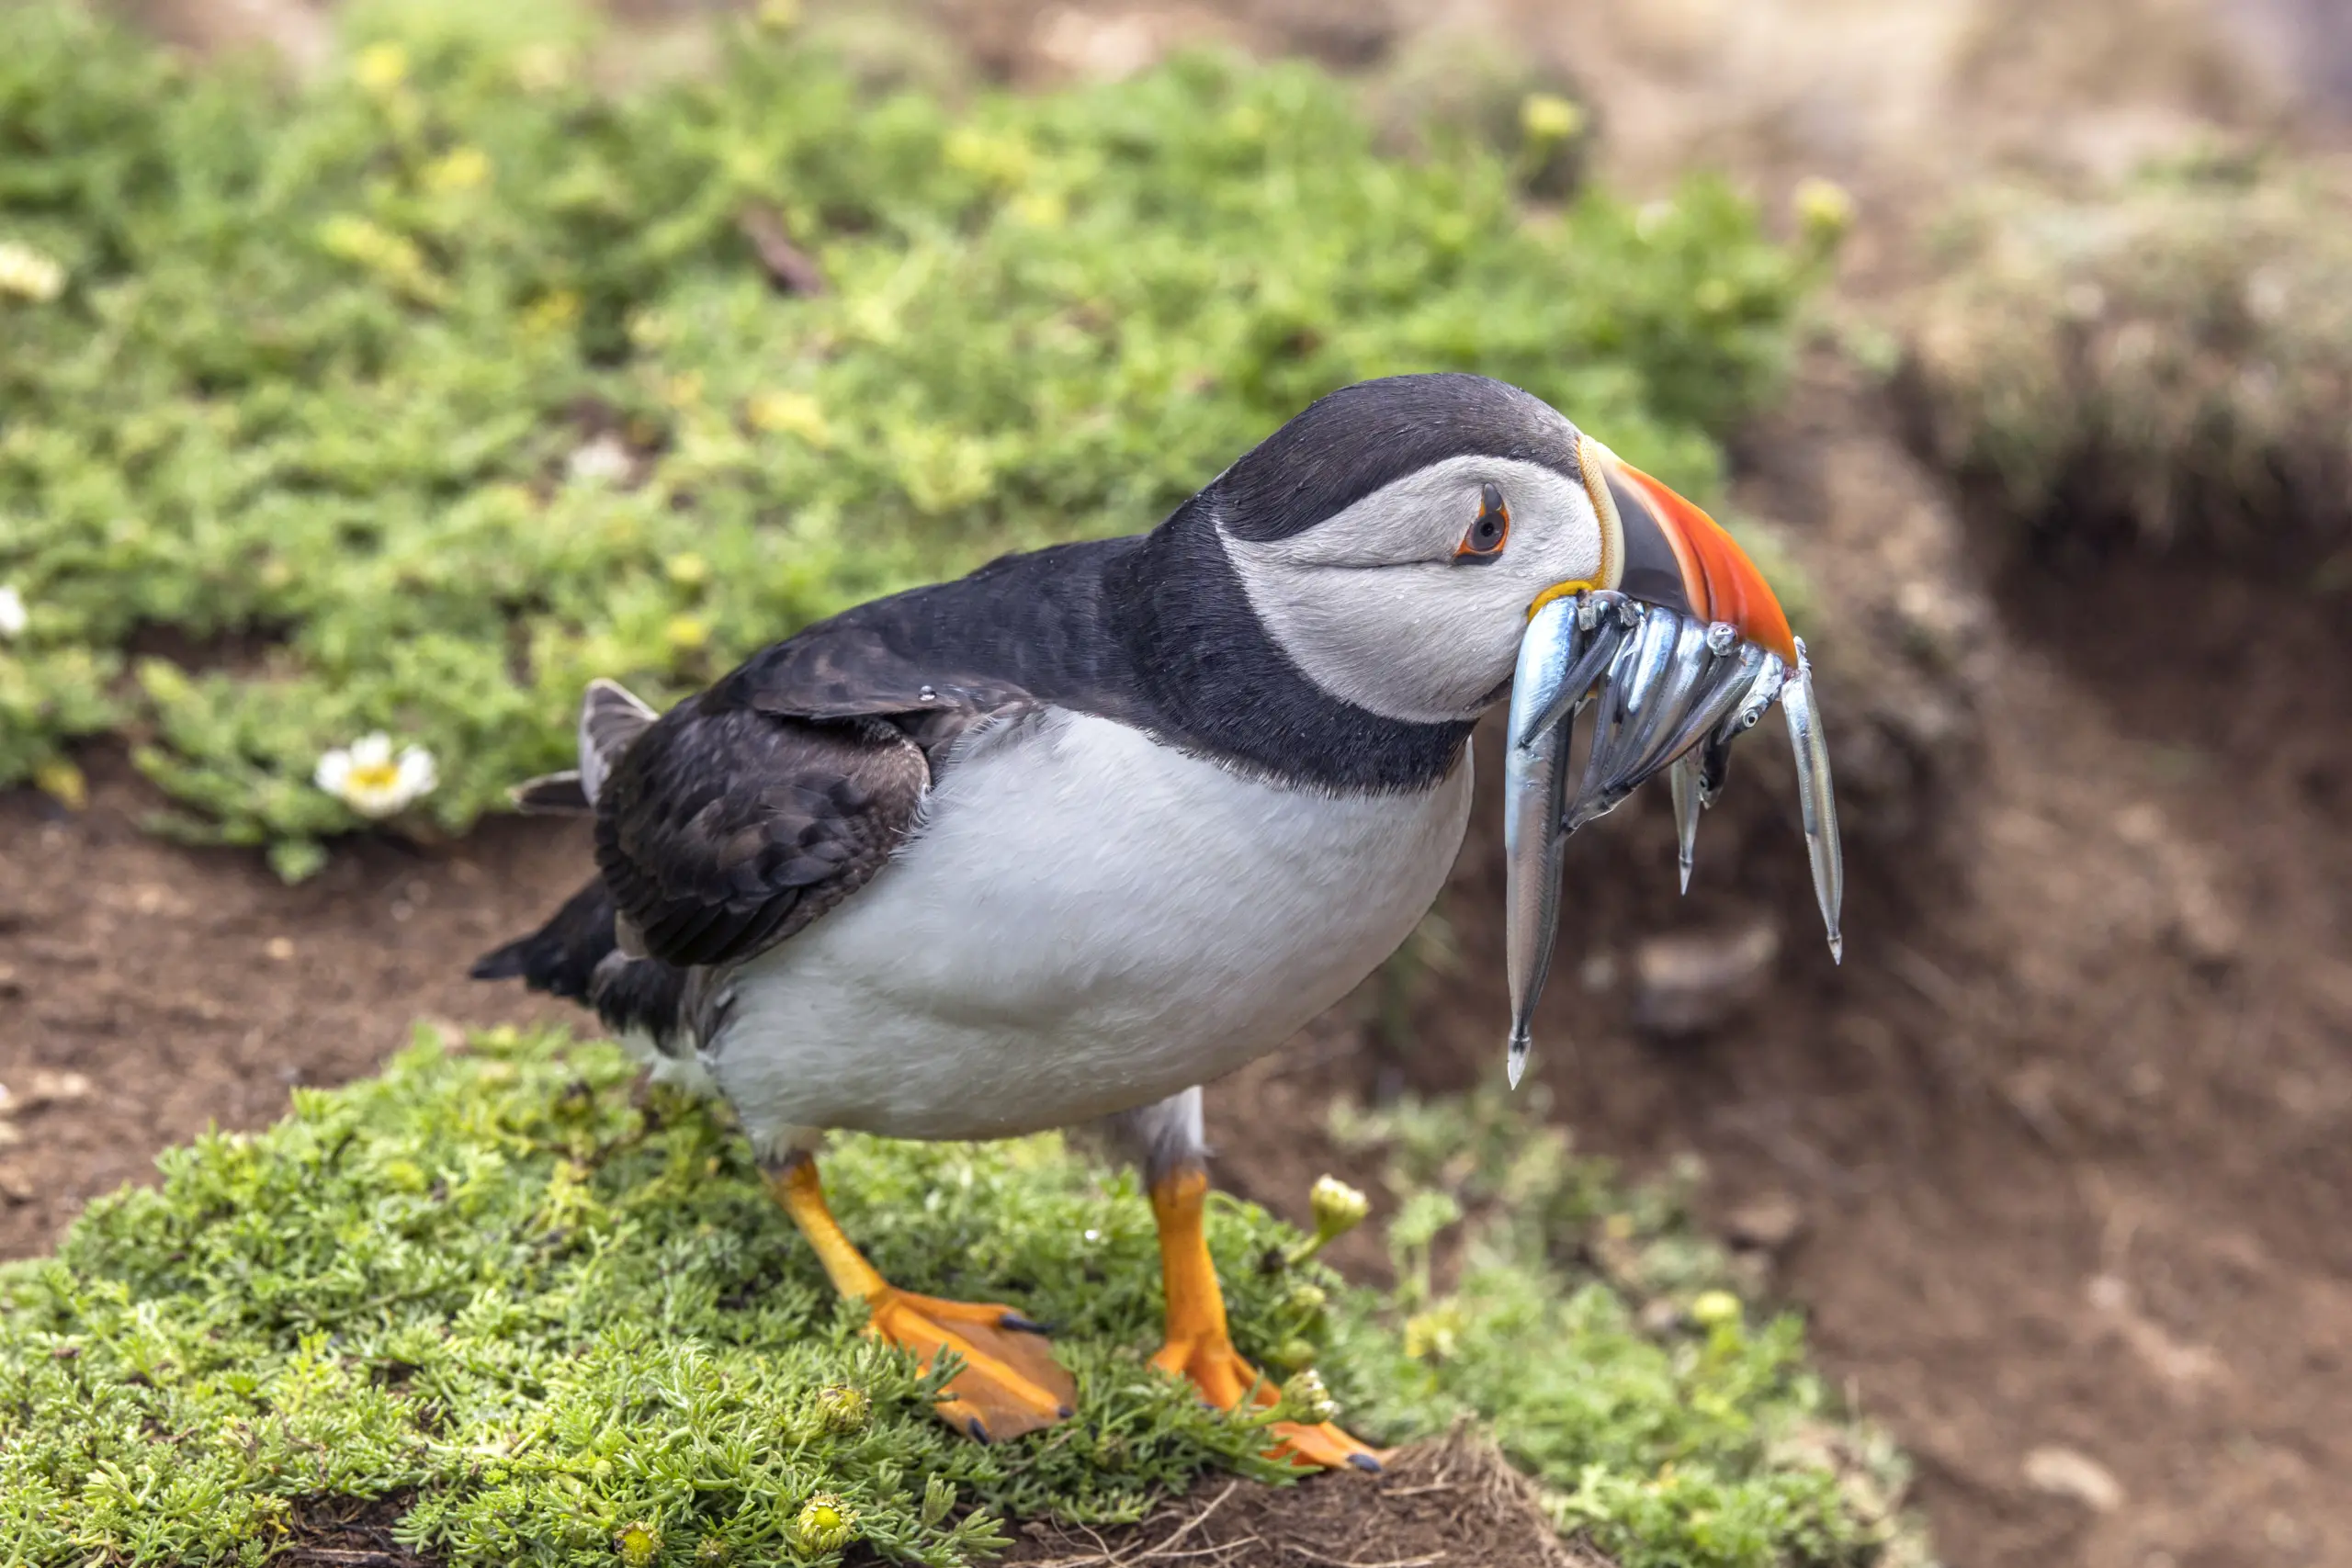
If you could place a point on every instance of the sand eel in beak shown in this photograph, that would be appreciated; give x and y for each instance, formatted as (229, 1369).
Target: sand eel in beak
(1059, 841)
(1675, 657)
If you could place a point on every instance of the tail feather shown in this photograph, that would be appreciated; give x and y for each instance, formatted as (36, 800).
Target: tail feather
(561, 957)
(577, 955)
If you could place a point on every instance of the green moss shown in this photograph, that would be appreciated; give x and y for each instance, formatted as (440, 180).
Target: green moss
(556, 1312)
(2165, 361)
(412, 400)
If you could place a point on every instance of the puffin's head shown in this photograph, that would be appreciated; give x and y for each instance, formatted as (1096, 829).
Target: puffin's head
(1395, 537)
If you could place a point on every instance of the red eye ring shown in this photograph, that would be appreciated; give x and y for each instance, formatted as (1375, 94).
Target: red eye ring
(1489, 531)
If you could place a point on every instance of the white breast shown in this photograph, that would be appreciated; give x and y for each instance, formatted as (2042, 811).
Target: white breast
(1086, 921)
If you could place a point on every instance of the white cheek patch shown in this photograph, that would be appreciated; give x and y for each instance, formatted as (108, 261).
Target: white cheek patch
(1371, 607)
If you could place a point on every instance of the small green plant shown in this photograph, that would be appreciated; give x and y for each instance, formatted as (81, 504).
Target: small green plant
(409, 402)
(562, 1316)
(1599, 1336)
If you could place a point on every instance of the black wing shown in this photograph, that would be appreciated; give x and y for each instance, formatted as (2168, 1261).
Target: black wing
(723, 829)
(744, 814)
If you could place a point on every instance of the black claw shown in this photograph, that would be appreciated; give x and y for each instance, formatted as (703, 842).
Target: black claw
(1366, 1463)
(1020, 1323)
(979, 1433)
(1064, 1411)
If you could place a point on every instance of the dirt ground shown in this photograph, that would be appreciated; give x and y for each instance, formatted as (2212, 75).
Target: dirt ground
(1452, 1501)
(2066, 1137)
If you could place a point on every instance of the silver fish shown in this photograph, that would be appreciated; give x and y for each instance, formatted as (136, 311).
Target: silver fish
(1603, 620)
(1688, 798)
(1535, 768)
(1723, 690)
(1650, 746)
(1817, 801)
(1632, 678)
(1668, 692)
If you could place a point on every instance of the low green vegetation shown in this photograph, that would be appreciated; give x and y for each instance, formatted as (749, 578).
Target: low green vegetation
(411, 400)
(562, 1317)
(2168, 362)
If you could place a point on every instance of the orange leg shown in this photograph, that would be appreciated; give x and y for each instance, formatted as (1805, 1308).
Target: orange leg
(1010, 1382)
(1198, 1347)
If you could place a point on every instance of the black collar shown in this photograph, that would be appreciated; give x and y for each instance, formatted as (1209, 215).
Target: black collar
(1217, 683)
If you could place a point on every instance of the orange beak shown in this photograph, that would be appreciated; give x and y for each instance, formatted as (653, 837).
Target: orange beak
(1669, 552)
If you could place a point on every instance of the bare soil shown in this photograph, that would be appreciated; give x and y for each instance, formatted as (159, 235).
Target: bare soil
(187, 988)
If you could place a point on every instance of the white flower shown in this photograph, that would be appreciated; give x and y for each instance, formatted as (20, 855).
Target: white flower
(368, 778)
(13, 619)
(28, 273)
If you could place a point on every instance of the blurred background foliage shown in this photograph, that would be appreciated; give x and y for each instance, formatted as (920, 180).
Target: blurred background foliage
(412, 400)
(2166, 362)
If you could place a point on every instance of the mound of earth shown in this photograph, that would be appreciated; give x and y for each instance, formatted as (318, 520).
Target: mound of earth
(1448, 1503)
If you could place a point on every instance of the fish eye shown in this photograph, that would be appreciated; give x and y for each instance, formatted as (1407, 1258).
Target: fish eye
(1489, 531)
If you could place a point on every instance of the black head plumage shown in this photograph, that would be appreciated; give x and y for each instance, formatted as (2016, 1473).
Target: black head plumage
(1343, 447)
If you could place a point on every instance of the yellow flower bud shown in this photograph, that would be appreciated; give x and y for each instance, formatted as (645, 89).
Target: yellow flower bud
(1547, 116)
(460, 168)
(825, 1524)
(844, 1409)
(1714, 1308)
(1433, 1335)
(1305, 1399)
(552, 312)
(788, 413)
(687, 633)
(381, 68)
(638, 1544)
(688, 571)
(1041, 209)
(1825, 209)
(1339, 1208)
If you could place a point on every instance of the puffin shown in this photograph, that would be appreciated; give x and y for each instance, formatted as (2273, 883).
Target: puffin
(1055, 843)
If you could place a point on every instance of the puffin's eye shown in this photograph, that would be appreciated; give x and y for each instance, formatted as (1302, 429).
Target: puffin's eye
(1489, 531)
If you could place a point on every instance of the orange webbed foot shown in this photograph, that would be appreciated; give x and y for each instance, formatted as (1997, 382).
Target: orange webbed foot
(1010, 1382)
(1227, 1381)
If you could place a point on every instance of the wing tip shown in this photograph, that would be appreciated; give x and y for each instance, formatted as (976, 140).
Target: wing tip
(563, 794)
(499, 964)
(603, 689)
